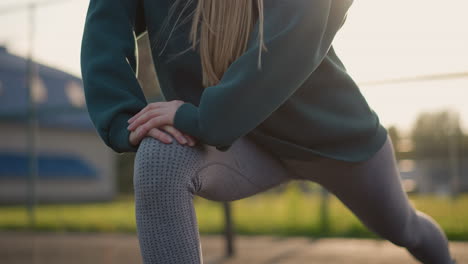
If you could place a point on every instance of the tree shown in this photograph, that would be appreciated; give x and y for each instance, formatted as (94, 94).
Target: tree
(433, 133)
(395, 137)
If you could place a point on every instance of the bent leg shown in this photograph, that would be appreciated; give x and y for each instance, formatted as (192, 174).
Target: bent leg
(166, 178)
(244, 170)
(163, 209)
(372, 190)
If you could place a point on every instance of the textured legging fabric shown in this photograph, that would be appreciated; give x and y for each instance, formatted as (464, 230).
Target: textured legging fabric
(168, 176)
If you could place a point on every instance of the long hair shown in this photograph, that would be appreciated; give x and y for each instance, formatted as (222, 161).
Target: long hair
(223, 34)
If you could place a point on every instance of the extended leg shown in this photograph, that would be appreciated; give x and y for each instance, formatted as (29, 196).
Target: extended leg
(372, 191)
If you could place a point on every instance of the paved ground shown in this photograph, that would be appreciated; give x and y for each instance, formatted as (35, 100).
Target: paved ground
(16, 248)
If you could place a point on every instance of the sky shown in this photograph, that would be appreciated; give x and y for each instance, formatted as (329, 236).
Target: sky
(380, 40)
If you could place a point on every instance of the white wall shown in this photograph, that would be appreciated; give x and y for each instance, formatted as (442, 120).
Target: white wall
(85, 144)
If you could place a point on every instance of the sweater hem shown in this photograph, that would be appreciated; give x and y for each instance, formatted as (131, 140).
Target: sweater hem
(287, 150)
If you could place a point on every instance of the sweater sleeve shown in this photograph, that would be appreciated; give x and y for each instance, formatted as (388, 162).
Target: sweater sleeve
(297, 35)
(109, 67)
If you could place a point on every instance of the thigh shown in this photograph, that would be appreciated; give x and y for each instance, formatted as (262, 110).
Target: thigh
(371, 189)
(242, 171)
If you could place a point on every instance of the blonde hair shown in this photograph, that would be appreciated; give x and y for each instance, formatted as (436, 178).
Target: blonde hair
(224, 33)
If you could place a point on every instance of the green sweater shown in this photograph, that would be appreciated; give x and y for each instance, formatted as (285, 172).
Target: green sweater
(301, 104)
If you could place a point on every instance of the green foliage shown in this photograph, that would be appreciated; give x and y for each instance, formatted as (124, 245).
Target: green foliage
(291, 213)
(433, 132)
(125, 172)
(395, 137)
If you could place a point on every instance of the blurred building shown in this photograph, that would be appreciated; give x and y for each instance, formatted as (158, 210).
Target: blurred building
(74, 165)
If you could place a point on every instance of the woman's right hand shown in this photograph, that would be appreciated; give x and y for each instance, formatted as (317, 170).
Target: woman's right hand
(157, 133)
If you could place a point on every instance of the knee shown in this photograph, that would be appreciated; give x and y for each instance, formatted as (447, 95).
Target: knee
(164, 167)
(408, 235)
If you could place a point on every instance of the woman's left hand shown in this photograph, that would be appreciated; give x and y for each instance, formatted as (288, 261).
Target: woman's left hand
(154, 115)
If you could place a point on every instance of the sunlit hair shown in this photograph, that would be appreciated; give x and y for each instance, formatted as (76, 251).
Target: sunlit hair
(223, 34)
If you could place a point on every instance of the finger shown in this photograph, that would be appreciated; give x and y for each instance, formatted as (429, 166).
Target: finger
(191, 139)
(176, 133)
(158, 134)
(154, 122)
(132, 138)
(148, 107)
(139, 134)
(143, 118)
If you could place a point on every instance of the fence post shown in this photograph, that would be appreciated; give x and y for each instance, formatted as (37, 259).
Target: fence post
(228, 229)
(324, 210)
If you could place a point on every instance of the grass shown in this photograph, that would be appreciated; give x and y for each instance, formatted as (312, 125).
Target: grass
(290, 213)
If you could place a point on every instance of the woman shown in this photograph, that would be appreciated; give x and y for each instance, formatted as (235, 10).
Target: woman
(244, 119)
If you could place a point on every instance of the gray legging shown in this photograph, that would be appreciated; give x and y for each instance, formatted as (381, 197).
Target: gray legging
(167, 176)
